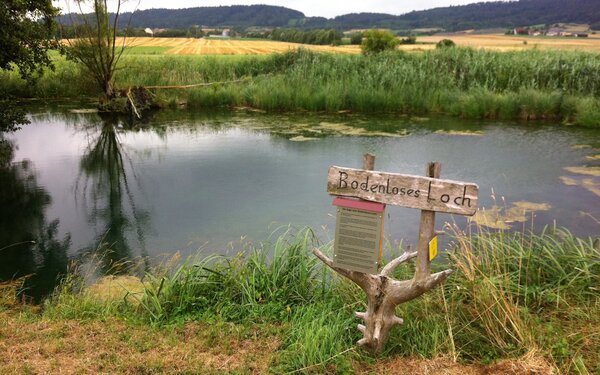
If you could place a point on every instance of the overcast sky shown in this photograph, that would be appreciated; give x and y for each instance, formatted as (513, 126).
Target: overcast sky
(323, 8)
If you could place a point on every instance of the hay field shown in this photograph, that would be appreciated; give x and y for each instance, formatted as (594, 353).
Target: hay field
(207, 46)
(501, 42)
(498, 42)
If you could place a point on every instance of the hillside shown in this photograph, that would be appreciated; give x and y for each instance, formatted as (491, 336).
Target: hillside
(498, 14)
(475, 16)
(240, 16)
(502, 14)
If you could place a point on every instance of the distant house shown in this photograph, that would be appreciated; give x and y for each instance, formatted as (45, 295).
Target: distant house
(556, 31)
(149, 31)
(521, 31)
(581, 35)
(226, 33)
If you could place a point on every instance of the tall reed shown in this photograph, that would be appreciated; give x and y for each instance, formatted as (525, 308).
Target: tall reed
(528, 85)
(259, 283)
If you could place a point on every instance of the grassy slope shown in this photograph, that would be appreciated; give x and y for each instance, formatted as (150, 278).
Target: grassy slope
(527, 85)
(530, 297)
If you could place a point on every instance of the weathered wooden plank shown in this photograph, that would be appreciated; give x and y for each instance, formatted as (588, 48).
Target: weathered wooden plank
(426, 231)
(419, 192)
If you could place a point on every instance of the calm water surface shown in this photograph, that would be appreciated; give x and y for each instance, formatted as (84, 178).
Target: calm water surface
(187, 182)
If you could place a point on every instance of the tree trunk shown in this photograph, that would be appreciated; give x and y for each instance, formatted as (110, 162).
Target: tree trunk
(109, 90)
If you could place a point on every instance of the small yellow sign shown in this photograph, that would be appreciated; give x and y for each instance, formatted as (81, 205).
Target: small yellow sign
(433, 248)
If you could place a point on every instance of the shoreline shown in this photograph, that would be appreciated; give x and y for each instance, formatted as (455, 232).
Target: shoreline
(516, 301)
(529, 86)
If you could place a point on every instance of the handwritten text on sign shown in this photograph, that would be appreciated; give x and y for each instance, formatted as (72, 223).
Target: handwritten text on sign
(358, 234)
(404, 190)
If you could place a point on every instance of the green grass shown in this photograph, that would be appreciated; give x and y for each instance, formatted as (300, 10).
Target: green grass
(523, 85)
(512, 294)
(145, 50)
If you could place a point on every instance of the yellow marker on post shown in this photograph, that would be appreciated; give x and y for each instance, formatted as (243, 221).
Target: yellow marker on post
(433, 245)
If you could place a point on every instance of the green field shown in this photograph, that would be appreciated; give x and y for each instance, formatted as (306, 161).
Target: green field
(146, 50)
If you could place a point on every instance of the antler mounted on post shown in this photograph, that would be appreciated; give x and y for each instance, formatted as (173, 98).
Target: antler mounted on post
(384, 292)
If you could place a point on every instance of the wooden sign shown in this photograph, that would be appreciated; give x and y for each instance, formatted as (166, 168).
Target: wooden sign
(357, 244)
(358, 235)
(420, 192)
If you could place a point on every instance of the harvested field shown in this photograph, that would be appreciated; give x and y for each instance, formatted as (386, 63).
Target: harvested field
(206, 46)
(498, 42)
(501, 42)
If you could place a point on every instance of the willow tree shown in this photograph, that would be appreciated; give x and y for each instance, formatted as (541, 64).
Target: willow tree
(95, 43)
(26, 36)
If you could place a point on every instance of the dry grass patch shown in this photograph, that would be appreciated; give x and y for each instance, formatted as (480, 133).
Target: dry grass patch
(529, 365)
(40, 346)
(115, 288)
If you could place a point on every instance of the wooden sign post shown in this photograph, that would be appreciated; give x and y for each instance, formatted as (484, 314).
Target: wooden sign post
(430, 194)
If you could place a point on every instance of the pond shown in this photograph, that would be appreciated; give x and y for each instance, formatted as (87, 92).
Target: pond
(190, 182)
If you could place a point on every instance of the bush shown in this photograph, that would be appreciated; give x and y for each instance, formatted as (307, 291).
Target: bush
(376, 41)
(409, 40)
(444, 43)
(356, 39)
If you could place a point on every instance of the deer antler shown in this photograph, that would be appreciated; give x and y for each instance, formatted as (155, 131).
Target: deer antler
(384, 293)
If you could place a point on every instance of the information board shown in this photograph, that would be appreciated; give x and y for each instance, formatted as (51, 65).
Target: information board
(358, 235)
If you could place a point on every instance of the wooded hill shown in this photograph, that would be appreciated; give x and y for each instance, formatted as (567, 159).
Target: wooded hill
(498, 14)
(482, 15)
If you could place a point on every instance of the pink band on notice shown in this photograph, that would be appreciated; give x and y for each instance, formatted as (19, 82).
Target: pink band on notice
(359, 205)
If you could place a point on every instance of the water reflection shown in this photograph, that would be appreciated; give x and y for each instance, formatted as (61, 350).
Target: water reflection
(104, 183)
(29, 243)
(188, 182)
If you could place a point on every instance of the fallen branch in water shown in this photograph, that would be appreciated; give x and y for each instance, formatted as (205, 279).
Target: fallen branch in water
(132, 103)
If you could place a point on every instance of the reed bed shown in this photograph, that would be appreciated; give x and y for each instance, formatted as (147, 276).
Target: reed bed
(525, 85)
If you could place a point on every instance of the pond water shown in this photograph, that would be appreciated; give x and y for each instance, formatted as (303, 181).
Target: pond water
(190, 182)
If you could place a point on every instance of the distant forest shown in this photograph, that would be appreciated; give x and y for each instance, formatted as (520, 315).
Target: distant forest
(319, 37)
(498, 14)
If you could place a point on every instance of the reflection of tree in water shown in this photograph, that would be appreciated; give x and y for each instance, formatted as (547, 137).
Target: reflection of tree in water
(28, 243)
(108, 196)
